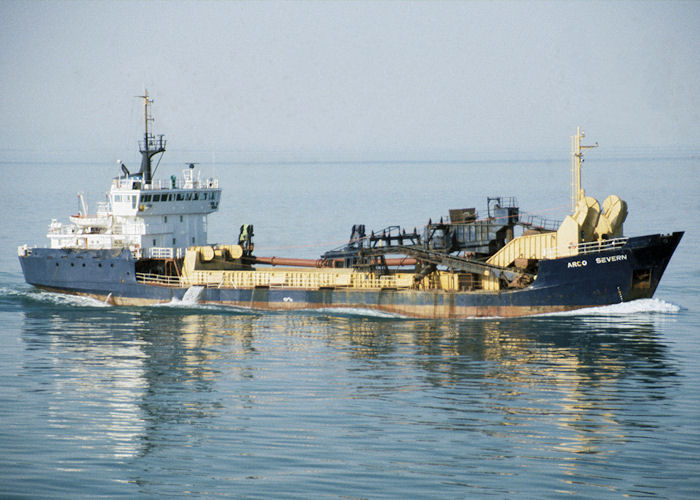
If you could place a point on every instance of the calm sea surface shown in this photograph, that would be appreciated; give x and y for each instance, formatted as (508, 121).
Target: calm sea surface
(185, 400)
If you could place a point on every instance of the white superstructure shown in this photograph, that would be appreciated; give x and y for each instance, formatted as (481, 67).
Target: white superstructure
(151, 218)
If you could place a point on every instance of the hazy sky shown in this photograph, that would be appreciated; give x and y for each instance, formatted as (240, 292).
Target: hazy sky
(353, 78)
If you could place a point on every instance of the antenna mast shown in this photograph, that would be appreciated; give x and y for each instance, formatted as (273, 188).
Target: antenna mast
(577, 193)
(151, 145)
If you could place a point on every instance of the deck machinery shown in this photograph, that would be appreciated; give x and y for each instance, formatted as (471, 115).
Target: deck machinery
(460, 243)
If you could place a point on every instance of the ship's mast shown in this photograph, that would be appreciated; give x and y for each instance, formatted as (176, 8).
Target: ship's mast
(577, 193)
(151, 145)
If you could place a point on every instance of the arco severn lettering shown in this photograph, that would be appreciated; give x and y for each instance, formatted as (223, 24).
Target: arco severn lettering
(611, 258)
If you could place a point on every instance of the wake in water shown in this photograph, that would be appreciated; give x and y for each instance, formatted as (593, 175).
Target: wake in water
(354, 311)
(59, 299)
(624, 308)
(640, 306)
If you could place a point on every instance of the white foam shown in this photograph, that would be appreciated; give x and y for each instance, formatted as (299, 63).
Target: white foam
(31, 293)
(12, 292)
(191, 298)
(357, 311)
(624, 308)
(67, 299)
(192, 295)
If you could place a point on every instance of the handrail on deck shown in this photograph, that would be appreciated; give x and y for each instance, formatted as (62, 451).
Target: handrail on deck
(586, 248)
(157, 279)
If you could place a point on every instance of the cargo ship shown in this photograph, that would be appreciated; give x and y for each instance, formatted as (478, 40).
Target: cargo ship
(147, 244)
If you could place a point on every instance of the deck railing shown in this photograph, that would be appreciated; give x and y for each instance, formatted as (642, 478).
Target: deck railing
(296, 279)
(585, 248)
(157, 279)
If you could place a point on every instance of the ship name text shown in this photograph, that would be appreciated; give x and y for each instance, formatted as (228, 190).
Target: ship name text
(612, 258)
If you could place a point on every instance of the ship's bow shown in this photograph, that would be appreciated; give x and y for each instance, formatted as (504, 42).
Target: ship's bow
(651, 254)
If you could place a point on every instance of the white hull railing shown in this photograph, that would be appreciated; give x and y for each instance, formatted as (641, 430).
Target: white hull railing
(585, 248)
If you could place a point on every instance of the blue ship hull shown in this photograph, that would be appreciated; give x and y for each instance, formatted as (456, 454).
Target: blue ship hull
(616, 275)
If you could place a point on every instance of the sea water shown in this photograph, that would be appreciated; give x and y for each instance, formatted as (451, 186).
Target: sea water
(192, 400)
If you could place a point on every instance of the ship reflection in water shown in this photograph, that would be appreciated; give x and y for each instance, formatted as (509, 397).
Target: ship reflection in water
(268, 393)
(523, 376)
